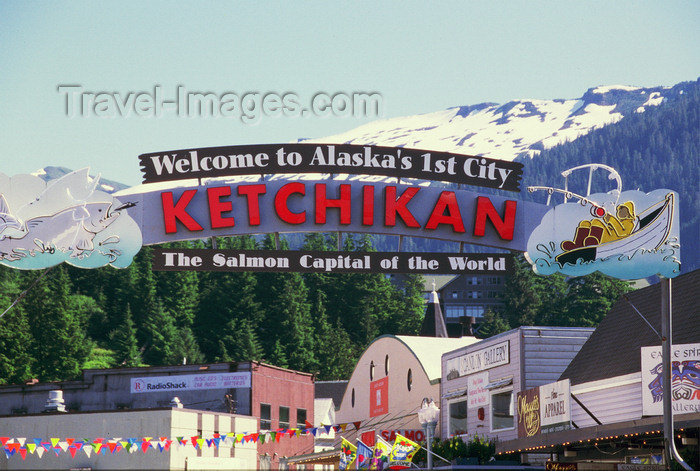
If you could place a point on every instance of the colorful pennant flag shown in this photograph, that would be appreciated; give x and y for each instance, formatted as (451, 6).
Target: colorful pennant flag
(380, 455)
(401, 454)
(364, 455)
(348, 452)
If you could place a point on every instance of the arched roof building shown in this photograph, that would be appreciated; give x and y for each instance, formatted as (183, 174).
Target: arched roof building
(389, 382)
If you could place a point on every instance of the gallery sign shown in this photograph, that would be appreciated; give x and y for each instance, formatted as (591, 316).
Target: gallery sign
(486, 358)
(544, 409)
(685, 379)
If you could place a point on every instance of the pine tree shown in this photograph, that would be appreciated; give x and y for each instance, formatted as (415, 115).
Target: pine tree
(160, 336)
(60, 346)
(15, 339)
(126, 348)
(336, 352)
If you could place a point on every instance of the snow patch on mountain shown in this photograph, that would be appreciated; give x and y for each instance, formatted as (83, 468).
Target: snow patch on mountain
(505, 131)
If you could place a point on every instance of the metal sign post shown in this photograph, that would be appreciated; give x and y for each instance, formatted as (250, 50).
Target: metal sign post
(666, 340)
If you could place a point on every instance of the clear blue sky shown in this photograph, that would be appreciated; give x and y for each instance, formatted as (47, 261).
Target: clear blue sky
(420, 56)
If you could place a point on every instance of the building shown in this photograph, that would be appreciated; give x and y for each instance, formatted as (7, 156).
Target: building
(117, 430)
(472, 296)
(480, 381)
(464, 298)
(279, 399)
(388, 384)
(609, 424)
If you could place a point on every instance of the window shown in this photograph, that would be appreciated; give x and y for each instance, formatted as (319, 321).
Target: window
(352, 398)
(458, 418)
(502, 411)
(454, 310)
(409, 379)
(386, 365)
(475, 311)
(371, 371)
(301, 418)
(265, 414)
(284, 417)
(455, 294)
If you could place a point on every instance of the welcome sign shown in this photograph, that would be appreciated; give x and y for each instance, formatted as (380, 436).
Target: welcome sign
(195, 194)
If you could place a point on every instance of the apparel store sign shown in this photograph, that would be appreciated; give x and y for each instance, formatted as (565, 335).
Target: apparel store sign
(490, 357)
(685, 379)
(544, 409)
(190, 382)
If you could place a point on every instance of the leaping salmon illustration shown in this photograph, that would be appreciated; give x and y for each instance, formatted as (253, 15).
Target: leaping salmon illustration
(70, 230)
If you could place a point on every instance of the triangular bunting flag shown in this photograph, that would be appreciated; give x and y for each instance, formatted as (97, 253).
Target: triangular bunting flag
(46, 446)
(343, 427)
(31, 447)
(112, 447)
(200, 442)
(70, 441)
(54, 442)
(63, 446)
(145, 445)
(40, 451)
(357, 425)
(194, 441)
(23, 452)
(4, 440)
(21, 440)
(328, 428)
(96, 447)
(72, 450)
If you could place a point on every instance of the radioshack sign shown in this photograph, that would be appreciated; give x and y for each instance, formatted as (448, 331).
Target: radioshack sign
(190, 382)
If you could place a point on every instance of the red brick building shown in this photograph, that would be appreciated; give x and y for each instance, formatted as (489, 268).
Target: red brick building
(283, 399)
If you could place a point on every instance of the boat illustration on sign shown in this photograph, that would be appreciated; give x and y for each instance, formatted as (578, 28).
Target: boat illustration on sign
(605, 232)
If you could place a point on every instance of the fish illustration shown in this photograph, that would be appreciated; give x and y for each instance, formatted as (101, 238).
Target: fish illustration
(8, 222)
(72, 229)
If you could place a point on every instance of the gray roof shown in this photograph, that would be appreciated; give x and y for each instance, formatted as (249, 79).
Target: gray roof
(330, 389)
(614, 348)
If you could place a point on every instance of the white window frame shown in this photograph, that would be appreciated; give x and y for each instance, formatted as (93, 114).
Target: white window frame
(449, 417)
(512, 409)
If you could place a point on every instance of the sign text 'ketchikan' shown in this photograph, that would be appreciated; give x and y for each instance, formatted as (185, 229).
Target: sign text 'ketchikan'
(328, 158)
(220, 209)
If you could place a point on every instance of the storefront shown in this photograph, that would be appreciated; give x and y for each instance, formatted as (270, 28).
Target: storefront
(481, 381)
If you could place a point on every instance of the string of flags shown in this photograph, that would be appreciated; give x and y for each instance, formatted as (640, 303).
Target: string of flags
(22, 446)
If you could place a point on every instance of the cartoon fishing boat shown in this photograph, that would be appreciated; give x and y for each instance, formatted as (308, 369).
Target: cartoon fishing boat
(615, 229)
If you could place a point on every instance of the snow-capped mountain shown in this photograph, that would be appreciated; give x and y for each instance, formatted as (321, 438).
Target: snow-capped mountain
(506, 131)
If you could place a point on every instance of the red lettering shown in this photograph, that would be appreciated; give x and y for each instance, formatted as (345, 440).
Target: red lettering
(172, 212)
(385, 435)
(368, 205)
(281, 206)
(447, 201)
(342, 203)
(253, 192)
(216, 207)
(409, 434)
(485, 210)
(398, 206)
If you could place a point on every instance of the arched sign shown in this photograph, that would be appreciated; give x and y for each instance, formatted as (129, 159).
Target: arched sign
(226, 191)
